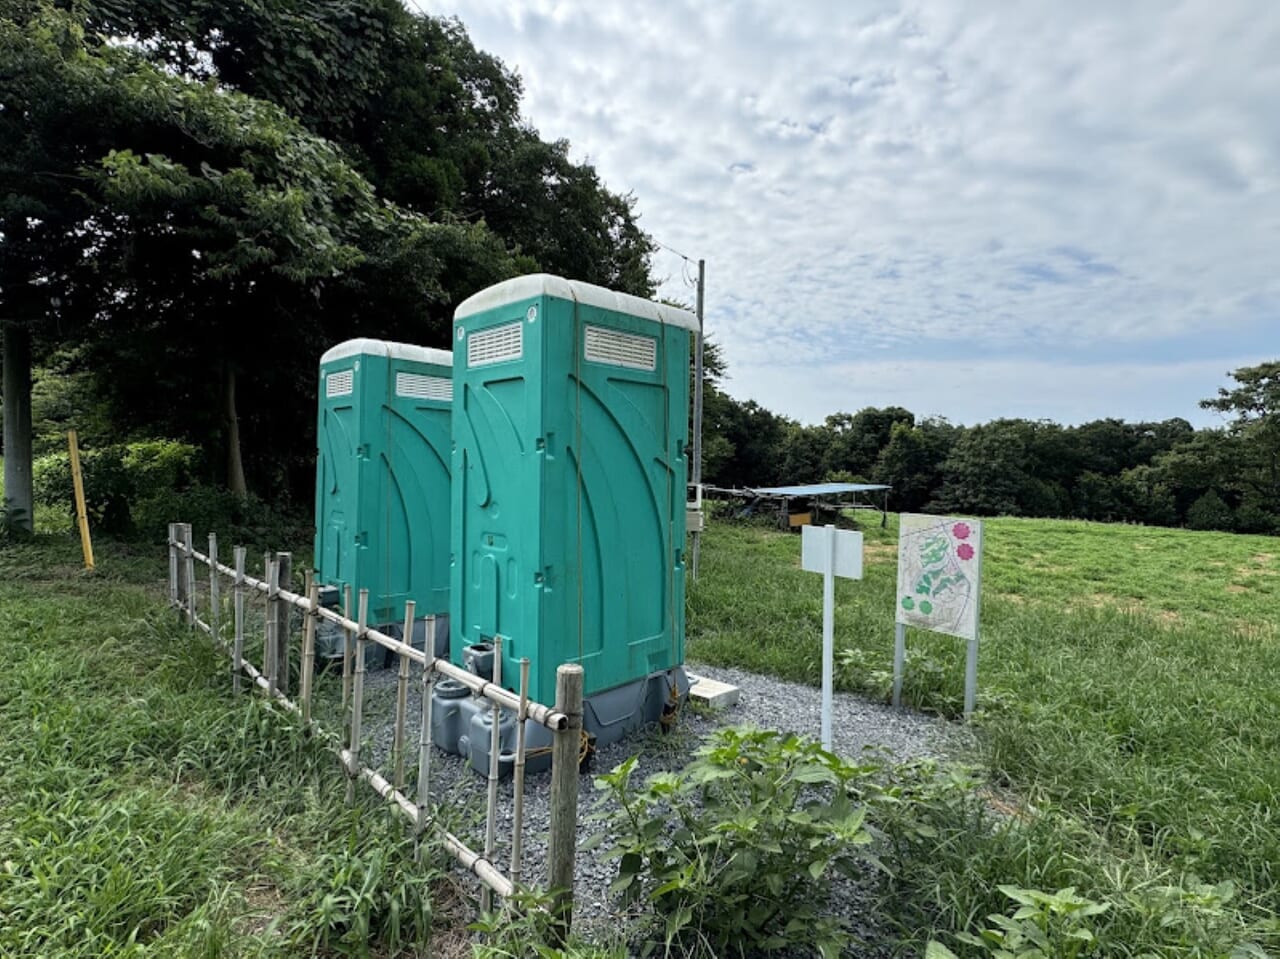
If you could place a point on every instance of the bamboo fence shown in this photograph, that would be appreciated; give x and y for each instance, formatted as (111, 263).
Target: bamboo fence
(277, 601)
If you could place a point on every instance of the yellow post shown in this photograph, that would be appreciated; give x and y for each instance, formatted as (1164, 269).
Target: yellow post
(82, 515)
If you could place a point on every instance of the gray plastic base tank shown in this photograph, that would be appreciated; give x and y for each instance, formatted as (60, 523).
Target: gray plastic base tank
(330, 636)
(462, 724)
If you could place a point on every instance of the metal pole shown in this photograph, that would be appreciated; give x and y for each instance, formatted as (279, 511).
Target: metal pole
(357, 697)
(237, 649)
(562, 843)
(899, 660)
(697, 411)
(971, 678)
(828, 633)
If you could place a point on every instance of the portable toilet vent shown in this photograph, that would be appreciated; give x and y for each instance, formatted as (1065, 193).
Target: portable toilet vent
(571, 406)
(382, 479)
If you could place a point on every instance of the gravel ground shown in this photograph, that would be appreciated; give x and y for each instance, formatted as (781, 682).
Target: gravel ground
(858, 725)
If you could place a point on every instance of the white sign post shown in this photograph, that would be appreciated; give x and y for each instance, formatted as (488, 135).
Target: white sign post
(939, 589)
(832, 552)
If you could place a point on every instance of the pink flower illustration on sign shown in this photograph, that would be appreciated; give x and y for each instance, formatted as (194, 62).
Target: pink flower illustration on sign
(964, 551)
(961, 531)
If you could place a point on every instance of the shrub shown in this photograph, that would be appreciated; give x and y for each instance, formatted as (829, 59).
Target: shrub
(243, 521)
(1045, 924)
(731, 853)
(1253, 518)
(1210, 512)
(116, 478)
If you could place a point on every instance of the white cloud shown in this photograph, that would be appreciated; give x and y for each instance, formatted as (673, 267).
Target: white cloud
(958, 179)
(976, 390)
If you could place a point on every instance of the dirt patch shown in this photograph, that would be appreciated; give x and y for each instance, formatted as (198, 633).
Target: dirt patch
(880, 552)
(264, 903)
(1262, 558)
(1258, 570)
(1129, 606)
(1016, 598)
(1236, 588)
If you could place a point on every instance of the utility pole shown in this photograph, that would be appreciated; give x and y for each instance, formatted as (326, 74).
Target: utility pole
(697, 417)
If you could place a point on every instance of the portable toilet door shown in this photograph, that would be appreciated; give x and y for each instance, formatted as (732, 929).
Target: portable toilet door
(382, 475)
(570, 429)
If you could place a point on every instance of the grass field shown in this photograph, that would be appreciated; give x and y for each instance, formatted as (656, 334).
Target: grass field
(1127, 686)
(1129, 746)
(146, 812)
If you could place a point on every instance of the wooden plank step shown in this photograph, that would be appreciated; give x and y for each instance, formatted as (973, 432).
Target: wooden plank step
(713, 692)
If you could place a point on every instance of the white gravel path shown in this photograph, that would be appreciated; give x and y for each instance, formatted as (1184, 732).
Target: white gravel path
(859, 725)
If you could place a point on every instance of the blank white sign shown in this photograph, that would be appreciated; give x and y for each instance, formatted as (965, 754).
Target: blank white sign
(815, 550)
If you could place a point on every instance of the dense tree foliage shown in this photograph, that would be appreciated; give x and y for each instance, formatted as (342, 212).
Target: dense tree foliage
(1163, 473)
(197, 197)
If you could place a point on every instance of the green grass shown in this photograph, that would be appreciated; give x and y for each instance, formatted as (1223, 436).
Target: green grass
(1127, 687)
(148, 812)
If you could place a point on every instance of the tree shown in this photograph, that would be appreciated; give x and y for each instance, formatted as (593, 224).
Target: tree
(856, 441)
(431, 122)
(221, 234)
(984, 473)
(1255, 405)
(911, 462)
(753, 434)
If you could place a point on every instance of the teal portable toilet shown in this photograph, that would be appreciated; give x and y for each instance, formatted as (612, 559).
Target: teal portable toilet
(382, 476)
(571, 413)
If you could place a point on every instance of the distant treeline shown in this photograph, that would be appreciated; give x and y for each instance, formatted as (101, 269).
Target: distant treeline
(1165, 473)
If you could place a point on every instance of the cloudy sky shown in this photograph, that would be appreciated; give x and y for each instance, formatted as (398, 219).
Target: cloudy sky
(971, 209)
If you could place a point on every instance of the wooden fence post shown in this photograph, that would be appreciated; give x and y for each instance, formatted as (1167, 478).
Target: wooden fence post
(402, 697)
(424, 736)
(357, 696)
(175, 592)
(495, 745)
(215, 606)
(309, 644)
(237, 650)
(189, 573)
(269, 625)
(562, 843)
(348, 643)
(283, 608)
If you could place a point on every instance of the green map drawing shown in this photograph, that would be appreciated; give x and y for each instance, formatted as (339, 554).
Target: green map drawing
(939, 564)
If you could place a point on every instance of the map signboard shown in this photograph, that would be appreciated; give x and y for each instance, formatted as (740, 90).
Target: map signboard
(939, 574)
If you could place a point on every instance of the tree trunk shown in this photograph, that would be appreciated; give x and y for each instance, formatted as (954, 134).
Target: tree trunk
(17, 425)
(235, 465)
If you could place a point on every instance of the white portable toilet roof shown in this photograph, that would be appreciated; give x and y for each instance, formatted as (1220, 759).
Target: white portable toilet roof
(544, 284)
(362, 346)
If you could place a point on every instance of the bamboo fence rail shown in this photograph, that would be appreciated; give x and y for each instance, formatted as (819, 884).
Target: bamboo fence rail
(564, 720)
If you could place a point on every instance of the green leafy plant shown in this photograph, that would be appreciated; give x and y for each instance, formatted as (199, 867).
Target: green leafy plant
(1046, 925)
(116, 479)
(523, 928)
(733, 852)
